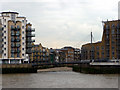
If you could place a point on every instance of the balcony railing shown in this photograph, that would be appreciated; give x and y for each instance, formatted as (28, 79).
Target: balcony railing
(29, 45)
(13, 51)
(33, 30)
(30, 40)
(12, 40)
(12, 45)
(30, 30)
(12, 33)
(30, 35)
(17, 39)
(29, 51)
(13, 28)
(18, 45)
(18, 51)
(17, 33)
(18, 28)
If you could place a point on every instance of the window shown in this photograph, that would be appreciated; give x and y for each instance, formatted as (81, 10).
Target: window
(113, 25)
(5, 20)
(23, 32)
(22, 54)
(97, 53)
(18, 55)
(97, 47)
(4, 31)
(0, 21)
(12, 26)
(4, 42)
(5, 37)
(102, 48)
(113, 42)
(107, 36)
(113, 31)
(23, 43)
(22, 27)
(23, 38)
(18, 26)
(117, 31)
(113, 53)
(22, 48)
(107, 32)
(4, 48)
(4, 54)
(23, 21)
(107, 26)
(4, 25)
(113, 47)
(13, 17)
(12, 55)
(102, 53)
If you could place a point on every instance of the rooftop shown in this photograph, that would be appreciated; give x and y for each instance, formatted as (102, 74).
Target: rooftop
(10, 12)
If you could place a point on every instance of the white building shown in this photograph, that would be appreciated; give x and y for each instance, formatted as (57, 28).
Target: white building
(13, 37)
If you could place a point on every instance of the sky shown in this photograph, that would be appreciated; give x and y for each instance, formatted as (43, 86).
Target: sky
(60, 23)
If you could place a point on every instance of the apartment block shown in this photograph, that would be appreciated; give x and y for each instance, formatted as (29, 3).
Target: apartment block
(77, 54)
(65, 54)
(40, 54)
(108, 48)
(13, 36)
(69, 53)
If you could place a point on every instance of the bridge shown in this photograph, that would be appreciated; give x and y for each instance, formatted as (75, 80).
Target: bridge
(62, 63)
(87, 62)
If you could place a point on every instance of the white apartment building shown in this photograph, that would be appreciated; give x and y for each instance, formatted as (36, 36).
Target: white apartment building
(14, 35)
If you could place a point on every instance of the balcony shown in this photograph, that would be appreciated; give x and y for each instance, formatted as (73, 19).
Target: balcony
(33, 30)
(13, 51)
(12, 45)
(29, 51)
(12, 33)
(18, 45)
(17, 34)
(33, 51)
(30, 35)
(18, 28)
(12, 40)
(30, 40)
(30, 30)
(17, 39)
(29, 45)
(18, 51)
(13, 28)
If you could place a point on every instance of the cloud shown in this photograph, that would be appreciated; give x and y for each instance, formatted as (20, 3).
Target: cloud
(64, 22)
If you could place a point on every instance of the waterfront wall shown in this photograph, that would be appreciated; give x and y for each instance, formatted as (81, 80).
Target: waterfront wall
(97, 69)
(17, 68)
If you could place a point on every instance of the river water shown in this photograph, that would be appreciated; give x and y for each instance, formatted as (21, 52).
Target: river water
(61, 79)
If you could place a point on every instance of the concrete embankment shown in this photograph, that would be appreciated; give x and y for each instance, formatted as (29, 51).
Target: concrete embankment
(97, 69)
(55, 69)
(17, 68)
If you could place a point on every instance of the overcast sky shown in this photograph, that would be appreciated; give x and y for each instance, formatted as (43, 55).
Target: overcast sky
(60, 23)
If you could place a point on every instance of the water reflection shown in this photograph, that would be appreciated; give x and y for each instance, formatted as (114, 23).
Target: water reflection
(67, 79)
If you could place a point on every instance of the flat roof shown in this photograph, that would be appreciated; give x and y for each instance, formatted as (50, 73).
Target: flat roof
(9, 12)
